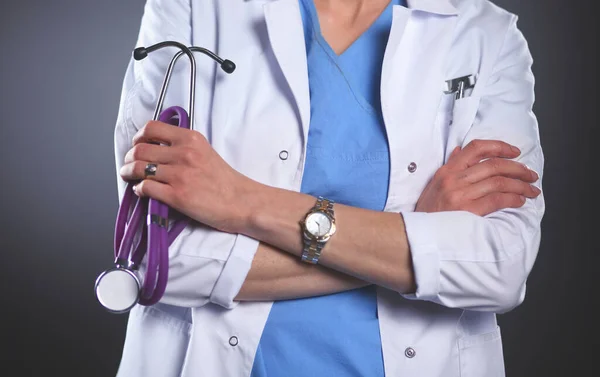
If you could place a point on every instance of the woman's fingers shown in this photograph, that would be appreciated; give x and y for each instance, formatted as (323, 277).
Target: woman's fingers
(500, 184)
(136, 170)
(478, 150)
(158, 154)
(498, 167)
(155, 190)
(480, 178)
(157, 132)
(495, 202)
(454, 153)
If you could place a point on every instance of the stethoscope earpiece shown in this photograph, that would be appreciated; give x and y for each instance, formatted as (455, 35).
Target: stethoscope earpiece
(228, 66)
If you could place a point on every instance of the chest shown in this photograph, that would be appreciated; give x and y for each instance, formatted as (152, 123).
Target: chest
(258, 119)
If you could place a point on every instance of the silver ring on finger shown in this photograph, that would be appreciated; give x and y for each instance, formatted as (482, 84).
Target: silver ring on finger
(150, 170)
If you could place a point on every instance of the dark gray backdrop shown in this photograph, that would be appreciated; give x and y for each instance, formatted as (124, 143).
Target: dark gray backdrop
(61, 66)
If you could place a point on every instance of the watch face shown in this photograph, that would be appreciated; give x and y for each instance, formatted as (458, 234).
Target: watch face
(318, 224)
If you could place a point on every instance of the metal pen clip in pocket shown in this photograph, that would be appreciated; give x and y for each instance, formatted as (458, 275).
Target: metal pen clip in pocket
(459, 85)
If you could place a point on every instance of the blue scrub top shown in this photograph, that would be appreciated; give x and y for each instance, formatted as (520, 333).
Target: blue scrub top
(347, 160)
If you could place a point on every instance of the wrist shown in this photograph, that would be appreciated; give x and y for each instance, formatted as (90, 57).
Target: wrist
(275, 215)
(247, 197)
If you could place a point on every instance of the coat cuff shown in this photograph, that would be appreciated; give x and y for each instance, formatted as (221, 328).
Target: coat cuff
(425, 256)
(234, 273)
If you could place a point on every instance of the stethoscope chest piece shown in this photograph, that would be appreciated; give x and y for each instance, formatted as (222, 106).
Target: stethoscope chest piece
(118, 289)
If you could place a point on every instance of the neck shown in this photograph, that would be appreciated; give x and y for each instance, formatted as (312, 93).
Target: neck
(351, 10)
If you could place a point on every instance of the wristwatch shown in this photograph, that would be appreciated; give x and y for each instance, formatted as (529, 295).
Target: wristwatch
(317, 228)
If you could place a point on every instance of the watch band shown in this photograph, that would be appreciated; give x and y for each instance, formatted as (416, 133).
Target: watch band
(312, 246)
(312, 251)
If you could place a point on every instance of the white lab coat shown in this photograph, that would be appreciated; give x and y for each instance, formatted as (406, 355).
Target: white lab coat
(467, 267)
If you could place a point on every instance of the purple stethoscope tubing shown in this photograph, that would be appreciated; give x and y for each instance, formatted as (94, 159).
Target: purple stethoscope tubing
(133, 239)
(157, 235)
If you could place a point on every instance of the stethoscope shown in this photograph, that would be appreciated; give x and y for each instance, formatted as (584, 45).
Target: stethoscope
(119, 288)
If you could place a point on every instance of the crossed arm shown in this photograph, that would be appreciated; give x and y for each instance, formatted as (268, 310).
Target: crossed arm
(277, 275)
(370, 247)
(357, 255)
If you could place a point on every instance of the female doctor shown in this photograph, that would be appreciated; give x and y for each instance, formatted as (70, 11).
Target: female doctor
(354, 213)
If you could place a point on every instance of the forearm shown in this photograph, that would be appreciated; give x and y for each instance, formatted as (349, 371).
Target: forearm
(277, 275)
(369, 245)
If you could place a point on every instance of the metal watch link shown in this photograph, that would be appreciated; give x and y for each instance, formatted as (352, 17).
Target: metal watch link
(317, 228)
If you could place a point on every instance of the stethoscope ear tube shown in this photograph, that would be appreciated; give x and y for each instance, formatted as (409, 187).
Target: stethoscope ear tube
(120, 288)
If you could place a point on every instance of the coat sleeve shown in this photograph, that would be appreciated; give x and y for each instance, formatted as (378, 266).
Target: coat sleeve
(482, 263)
(205, 265)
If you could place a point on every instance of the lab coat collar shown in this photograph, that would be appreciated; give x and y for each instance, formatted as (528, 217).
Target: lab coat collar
(442, 7)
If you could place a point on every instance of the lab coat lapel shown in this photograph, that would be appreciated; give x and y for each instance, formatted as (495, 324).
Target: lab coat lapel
(286, 35)
(412, 81)
(440, 7)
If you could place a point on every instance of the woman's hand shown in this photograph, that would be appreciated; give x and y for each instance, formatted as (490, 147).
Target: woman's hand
(467, 183)
(191, 176)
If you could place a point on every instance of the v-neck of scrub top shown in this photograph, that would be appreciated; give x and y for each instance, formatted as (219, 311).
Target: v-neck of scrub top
(363, 57)
(347, 160)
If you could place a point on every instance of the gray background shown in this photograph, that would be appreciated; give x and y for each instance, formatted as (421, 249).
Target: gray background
(61, 67)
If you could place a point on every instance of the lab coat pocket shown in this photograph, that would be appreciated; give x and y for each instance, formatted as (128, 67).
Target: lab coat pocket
(481, 355)
(156, 343)
(461, 116)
